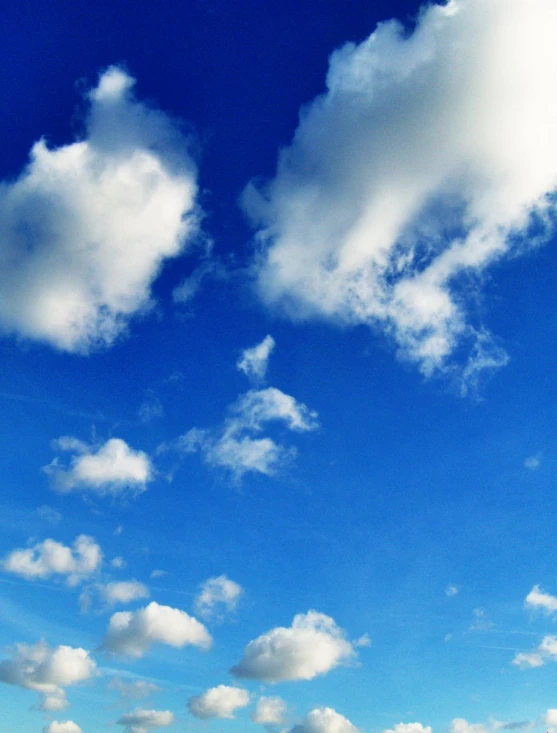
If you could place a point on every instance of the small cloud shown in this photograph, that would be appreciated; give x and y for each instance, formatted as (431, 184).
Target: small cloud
(218, 702)
(538, 599)
(141, 720)
(217, 596)
(118, 531)
(545, 652)
(447, 637)
(150, 408)
(452, 590)
(254, 361)
(158, 573)
(533, 462)
(481, 620)
(324, 720)
(270, 711)
(124, 591)
(118, 562)
(135, 690)
(62, 726)
(49, 514)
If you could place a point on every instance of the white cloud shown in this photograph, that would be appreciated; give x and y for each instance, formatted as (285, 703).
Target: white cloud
(62, 726)
(218, 702)
(538, 599)
(118, 562)
(460, 725)
(532, 463)
(108, 469)
(157, 573)
(137, 689)
(270, 711)
(417, 169)
(545, 652)
(254, 361)
(86, 227)
(150, 408)
(131, 633)
(49, 514)
(124, 591)
(47, 671)
(550, 717)
(50, 558)
(141, 720)
(481, 621)
(451, 590)
(217, 595)
(409, 728)
(312, 646)
(325, 720)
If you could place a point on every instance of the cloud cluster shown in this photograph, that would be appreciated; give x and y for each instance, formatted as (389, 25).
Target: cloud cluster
(460, 725)
(325, 720)
(411, 728)
(217, 595)
(123, 591)
(62, 726)
(50, 558)
(218, 702)
(47, 671)
(538, 599)
(424, 162)
(312, 646)
(270, 711)
(109, 469)
(254, 361)
(545, 652)
(87, 226)
(142, 720)
(131, 633)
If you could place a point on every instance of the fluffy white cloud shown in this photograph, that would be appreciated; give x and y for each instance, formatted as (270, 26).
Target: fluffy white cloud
(47, 671)
(312, 646)
(254, 361)
(550, 717)
(62, 726)
(325, 720)
(218, 702)
(460, 725)
(141, 720)
(411, 728)
(270, 711)
(86, 227)
(538, 599)
(49, 558)
(217, 595)
(545, 652)
(419, 167)
(108, 469)
(123, 591)
(131, 633)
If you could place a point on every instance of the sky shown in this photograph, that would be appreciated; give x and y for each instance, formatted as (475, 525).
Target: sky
(277, 332)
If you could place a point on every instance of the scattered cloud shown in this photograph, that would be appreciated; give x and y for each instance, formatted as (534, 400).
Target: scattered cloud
(409, 728)
(135, 690)
(118, 562)
(141, 720)
(49, 514)
(62, 726)
(545, 652)
(217, 596)
(481, 621)
(109, 469)
(86, 227)
(452, 590)
(325, 720)
(157, 573)
(270, 711)
(511, 725)
(538, 599)
(533, 462)
(550, 717)
(50, 558)
(218, 702)
(460, 725)
(425, 161)
(254, 361)
(124, 591)
(312, 646)
(150, 408)
(131, 633)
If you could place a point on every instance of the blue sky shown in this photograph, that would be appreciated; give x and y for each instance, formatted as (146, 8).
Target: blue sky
(277, 328)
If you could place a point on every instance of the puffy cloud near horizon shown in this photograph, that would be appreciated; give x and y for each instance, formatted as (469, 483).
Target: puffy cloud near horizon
(62, 726)
(460, 725)
(218, 702)
(410, 728)
(270, 711)
(324, 720)
(431, 155)
(217, 595)
(142, 720)
(134, 690)
(47, 671)
(254, 361)
(131, 633)
(538, 599)
(312, 646)
(86, 228)
(545, 652)
(112, 468)
(51, 558)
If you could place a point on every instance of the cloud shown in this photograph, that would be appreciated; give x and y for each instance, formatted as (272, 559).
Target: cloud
(109, 469)
(217, 595)
(550, 717)
(49, 514)
(131, 633)
(50, 558)
(124, 591)
(532, 463)
(430, 156)
(86, 227)
(270, 711)
(118, 562)
(237, 447)
(451, 590)
(62, 726)
(150, 408)
(312, 646)
(538, 599)
(218, 702)
(141, 720)
(325, 720)
(545, 652)
(47, 671)
(135, 690)
(481, 621)
(411, 728)
(254, 361)
(460, 725)
(157, 573)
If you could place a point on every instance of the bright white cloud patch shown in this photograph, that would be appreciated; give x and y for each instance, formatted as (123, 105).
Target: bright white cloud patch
(550, 717)
(62, 726)
(109, 469)
(545, 652)
(131, 633)
(312, 646)
(538, 599)
(411, 728)
(86, 227)
(218, 702)
(270, 711)
(418, 168)
(325, 720)
(217, 595)
(47, 671)
(460, 725)
(123, 591)
(254, 361)
(141, 720)
(50, 558)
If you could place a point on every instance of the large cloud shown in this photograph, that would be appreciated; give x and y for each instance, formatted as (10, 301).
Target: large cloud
(217, 595)
(218, 702)
(325, 720)
(131, 633)
(142, 720)
(47, 671)
(312, 646)
(86, 227)
(418, 168)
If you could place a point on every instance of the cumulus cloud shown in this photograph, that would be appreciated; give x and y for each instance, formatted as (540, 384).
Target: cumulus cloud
(550, 717)
(254, 360)
(141, 720)
(430, 156)
(218, 702)
(131, 633)
(312, 646)
(86, 227)
(270, 711)
(460, 725)
(410, 728)
(62, 726)
(47, 671)
(123, 591)
(50, 558)
(538, 599)
(108, 469)
(545, 652)
(325, 720)
(217, 595)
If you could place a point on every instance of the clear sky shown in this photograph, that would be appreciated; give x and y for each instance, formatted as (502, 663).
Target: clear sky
(278, 330)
